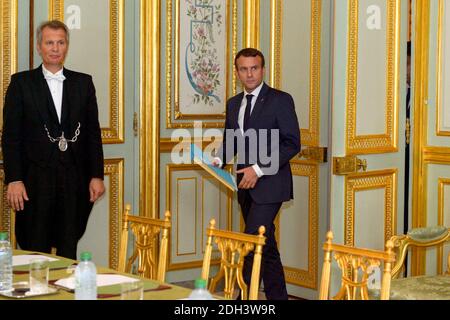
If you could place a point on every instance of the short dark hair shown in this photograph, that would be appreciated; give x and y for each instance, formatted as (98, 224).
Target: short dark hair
(52, 24)
(249, 52)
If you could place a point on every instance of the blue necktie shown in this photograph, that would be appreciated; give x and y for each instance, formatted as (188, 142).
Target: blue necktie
(248, 109)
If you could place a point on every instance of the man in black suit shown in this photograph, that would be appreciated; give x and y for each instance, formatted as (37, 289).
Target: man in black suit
(261, 127)
(52, 148)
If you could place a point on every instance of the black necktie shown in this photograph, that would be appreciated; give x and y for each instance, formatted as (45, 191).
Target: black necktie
(248, 108)
(408, 102)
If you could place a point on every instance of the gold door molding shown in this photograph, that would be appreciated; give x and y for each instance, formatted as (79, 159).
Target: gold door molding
(114, 168)
(377, 143)
(174, 116)
(384, 179)
(251, 24)
(8, 40)
(170, 170)
(437, 156)
(56, 9)
(311, 135)
(308, 278)
(167, 145)
(115, 133)
(439, 71)
(150, 44)
(176, 213)
(276, 42)
(442, 183)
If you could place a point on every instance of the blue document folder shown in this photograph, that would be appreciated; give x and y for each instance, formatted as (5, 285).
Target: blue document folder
(223, 176)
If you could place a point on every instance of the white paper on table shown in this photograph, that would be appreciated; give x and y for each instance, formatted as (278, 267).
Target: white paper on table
(103, 280)
(24, 259)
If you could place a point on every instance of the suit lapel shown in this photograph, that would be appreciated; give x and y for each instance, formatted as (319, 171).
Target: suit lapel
(262, 97)
(65, 108)
(42, 96)
(235, 109)
(71, 102)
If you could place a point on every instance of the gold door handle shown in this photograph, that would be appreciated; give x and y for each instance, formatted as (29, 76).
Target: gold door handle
(361, 164)
(346, 165)
(318, 154)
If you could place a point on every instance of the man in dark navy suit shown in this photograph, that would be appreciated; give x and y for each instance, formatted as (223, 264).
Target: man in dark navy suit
(52, 148)
(265, 119)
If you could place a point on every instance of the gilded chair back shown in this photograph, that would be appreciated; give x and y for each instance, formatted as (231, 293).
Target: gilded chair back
(356, 265)
(151, 260)
(233, 247)
(419, 238)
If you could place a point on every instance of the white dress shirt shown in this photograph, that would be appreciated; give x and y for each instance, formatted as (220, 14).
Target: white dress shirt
(255, 94)
(55, 84)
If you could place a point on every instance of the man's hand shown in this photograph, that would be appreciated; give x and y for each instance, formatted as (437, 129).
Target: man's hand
(96, 189)
(249, 179)
(16, 195)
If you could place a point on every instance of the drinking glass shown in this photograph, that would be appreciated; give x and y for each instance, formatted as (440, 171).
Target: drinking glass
(132, 290)
(39, 270)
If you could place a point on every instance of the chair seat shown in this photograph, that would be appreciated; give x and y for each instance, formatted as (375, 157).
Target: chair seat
(421, 288)
(418, 288)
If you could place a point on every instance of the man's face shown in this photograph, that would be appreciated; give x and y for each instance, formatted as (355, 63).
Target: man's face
(250, 72)
(53, 48)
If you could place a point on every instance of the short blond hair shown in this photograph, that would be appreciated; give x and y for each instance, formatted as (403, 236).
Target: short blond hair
(52, 24)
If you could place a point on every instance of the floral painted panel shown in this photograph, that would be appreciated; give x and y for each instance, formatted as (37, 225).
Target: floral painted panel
(203, 54)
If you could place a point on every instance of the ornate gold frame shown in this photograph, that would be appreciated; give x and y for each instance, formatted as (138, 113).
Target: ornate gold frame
(276, 43)
(384, 179)
(176, 114)
(114, 134)
(170, 168)
(442, 182)
(440, 39)
(114, 168)
(308, 278)
(377, 143)
(8, 40)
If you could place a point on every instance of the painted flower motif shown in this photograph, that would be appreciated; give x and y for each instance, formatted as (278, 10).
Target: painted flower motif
(203, 63)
